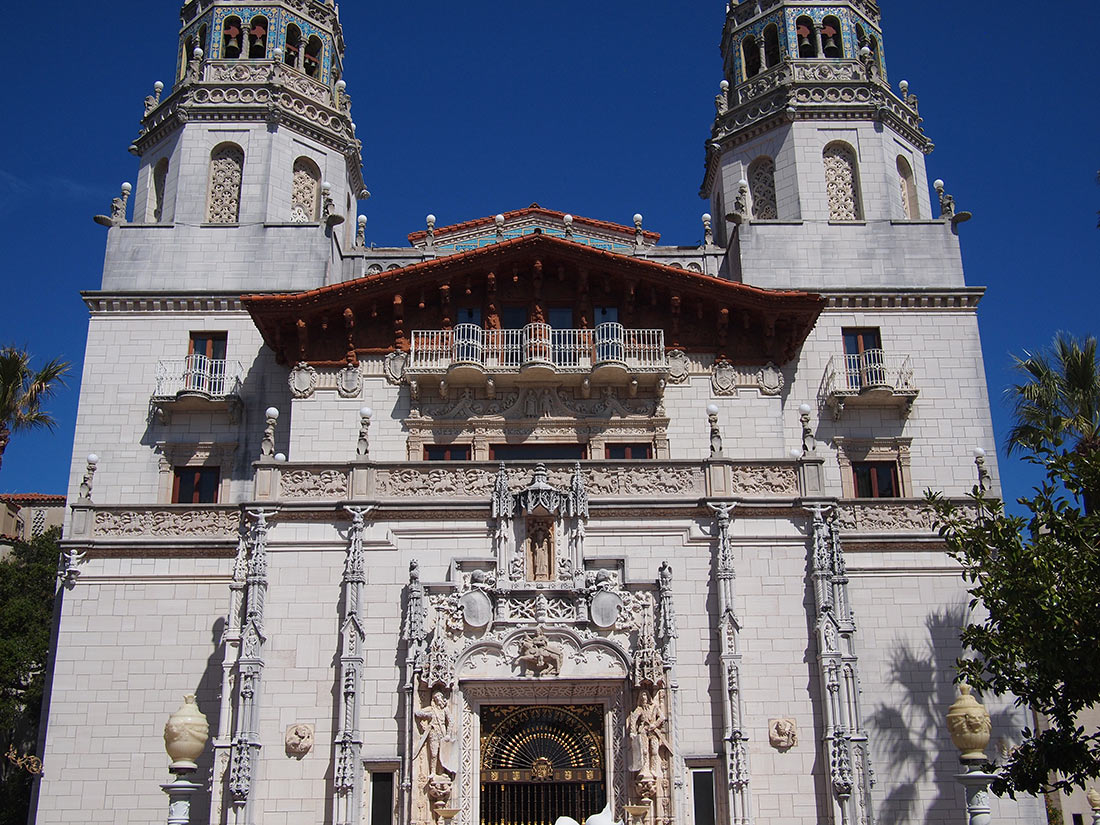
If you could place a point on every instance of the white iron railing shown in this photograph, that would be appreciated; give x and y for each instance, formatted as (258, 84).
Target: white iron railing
(564, 350)
(212, 378)
(872, 369)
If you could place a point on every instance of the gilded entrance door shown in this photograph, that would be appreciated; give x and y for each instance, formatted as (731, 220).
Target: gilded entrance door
(539, 762)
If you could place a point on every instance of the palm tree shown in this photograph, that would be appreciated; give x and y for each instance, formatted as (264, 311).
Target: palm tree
(1058, 406)
(23, 391)
(1060, 401)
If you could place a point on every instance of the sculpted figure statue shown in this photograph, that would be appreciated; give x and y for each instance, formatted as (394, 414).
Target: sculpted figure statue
(646, 726)
(435, 728)
(541, 655)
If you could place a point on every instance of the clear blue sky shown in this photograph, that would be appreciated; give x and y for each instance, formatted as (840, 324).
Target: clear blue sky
(600, 109)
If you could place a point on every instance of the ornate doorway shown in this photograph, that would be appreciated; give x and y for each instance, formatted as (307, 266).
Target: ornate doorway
(539, 762)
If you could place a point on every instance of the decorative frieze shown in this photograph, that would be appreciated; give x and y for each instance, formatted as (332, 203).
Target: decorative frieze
(306, 483)
(727, 379)
(166, 523)
(894, 517)
(764, 480)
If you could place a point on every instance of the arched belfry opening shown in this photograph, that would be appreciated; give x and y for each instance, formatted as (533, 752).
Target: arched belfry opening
(232, 38)
(807, 37)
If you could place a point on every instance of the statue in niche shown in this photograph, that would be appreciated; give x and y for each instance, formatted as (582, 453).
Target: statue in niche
(540, 551)
(646, 726)
(436, 735)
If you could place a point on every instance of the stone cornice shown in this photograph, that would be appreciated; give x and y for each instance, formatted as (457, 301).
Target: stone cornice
(102, 303)
(966, 298)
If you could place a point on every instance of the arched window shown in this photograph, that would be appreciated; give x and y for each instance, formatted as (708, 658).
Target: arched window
(226, 169)
(762, 189)
(842, 182)
(750, 54)
(313, 56)
(872, 44)
(907, 185)
(202, 40)
(305, 191)
(807, 37)
(257, 38)
(292, 54)
(771, 46)
(160, 178)
(231, 38)
(832, 44)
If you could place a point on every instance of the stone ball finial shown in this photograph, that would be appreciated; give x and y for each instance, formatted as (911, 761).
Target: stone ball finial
(197, 53)
(341, 85)
(637, 218)
(272, 412)
(430, 220)
(706, 216)
(158, 86)
(499, 220)
(904, 86)
(127, 187)
(969, 725)
(185, 735)
(362, 220)
(567, 219)
(937, 184)
(93, 459)
(724, 85)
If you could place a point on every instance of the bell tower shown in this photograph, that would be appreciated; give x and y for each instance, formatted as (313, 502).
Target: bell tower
(816, 163)
(250, 160)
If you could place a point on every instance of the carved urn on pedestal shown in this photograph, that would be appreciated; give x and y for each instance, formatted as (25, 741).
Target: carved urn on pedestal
(969, 724)
(185, 735)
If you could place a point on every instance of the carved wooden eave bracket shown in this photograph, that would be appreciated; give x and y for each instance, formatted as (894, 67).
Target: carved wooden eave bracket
(337, 324)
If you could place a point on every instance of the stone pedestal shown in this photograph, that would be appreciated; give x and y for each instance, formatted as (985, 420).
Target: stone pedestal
(179, 800)
(977, 782)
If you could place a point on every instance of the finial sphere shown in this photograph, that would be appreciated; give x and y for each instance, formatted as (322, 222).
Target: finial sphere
(280, 458)
(979, 452)
(805, 409)
(637, 217)
(706, 216)
(937, 184)
(93, 459)
(430, 219)
(366, 412)
(362, 220)
(272, 412)
(567, 219)
(796, 453)
(712, 409)
(158, 86)
(127, 186)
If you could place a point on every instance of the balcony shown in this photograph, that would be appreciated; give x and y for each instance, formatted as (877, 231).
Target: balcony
(873, 378)
(198, 384)
(469, 354)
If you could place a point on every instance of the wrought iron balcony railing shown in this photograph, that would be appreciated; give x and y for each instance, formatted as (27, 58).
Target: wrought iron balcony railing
(468, 346)
(872, 375)
(214, 379)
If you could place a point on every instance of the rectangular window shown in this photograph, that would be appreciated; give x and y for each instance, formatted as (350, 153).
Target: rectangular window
(702, 790)
(864, 362)
(210, 344)
(605, 315)
(513, 317)
(876, 479)
(447, 452)
(196, 485)
(538, 452)
(629, 452)
(468, 316)
(381, 798)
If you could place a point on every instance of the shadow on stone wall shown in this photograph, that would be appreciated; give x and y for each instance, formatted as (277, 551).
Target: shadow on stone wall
(913, 753)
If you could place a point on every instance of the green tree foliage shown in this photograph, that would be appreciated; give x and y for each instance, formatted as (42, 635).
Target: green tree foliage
(22, 392)
(27, 586)
(1037, 579)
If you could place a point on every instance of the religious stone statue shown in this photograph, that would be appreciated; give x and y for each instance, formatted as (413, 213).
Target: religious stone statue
(783, 734)
(541, 551)
(539, 654)
(436, 734)
(646, 726)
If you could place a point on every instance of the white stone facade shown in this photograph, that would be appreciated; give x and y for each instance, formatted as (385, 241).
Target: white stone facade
(797, 649)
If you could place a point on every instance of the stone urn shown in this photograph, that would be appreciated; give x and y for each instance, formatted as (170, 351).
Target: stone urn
(969, 725)
(185, 735)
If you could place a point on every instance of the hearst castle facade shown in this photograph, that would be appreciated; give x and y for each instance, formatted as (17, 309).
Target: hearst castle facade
(534, 514)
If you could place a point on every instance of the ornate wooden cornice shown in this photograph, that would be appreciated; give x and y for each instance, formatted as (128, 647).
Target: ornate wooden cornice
(336, 324)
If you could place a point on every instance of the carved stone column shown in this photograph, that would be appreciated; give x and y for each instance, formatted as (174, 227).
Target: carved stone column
(729, 628)
(250, 668)
(348, 782)
(844, 746)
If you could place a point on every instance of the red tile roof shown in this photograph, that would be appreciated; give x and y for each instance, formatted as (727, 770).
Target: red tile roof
(33, 498)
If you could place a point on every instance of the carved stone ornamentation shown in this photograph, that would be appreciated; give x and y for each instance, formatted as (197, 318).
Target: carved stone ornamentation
(539, 655)
(298, 740)
(723, 379)
(314, 484)
(226, 168)
(885, 518)
(220, 524)
(302, 380)
(763, 480)
(349, 382)
(771, 380)
(782, 734)
(393, 366)
(841, 183)
(679, 367)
